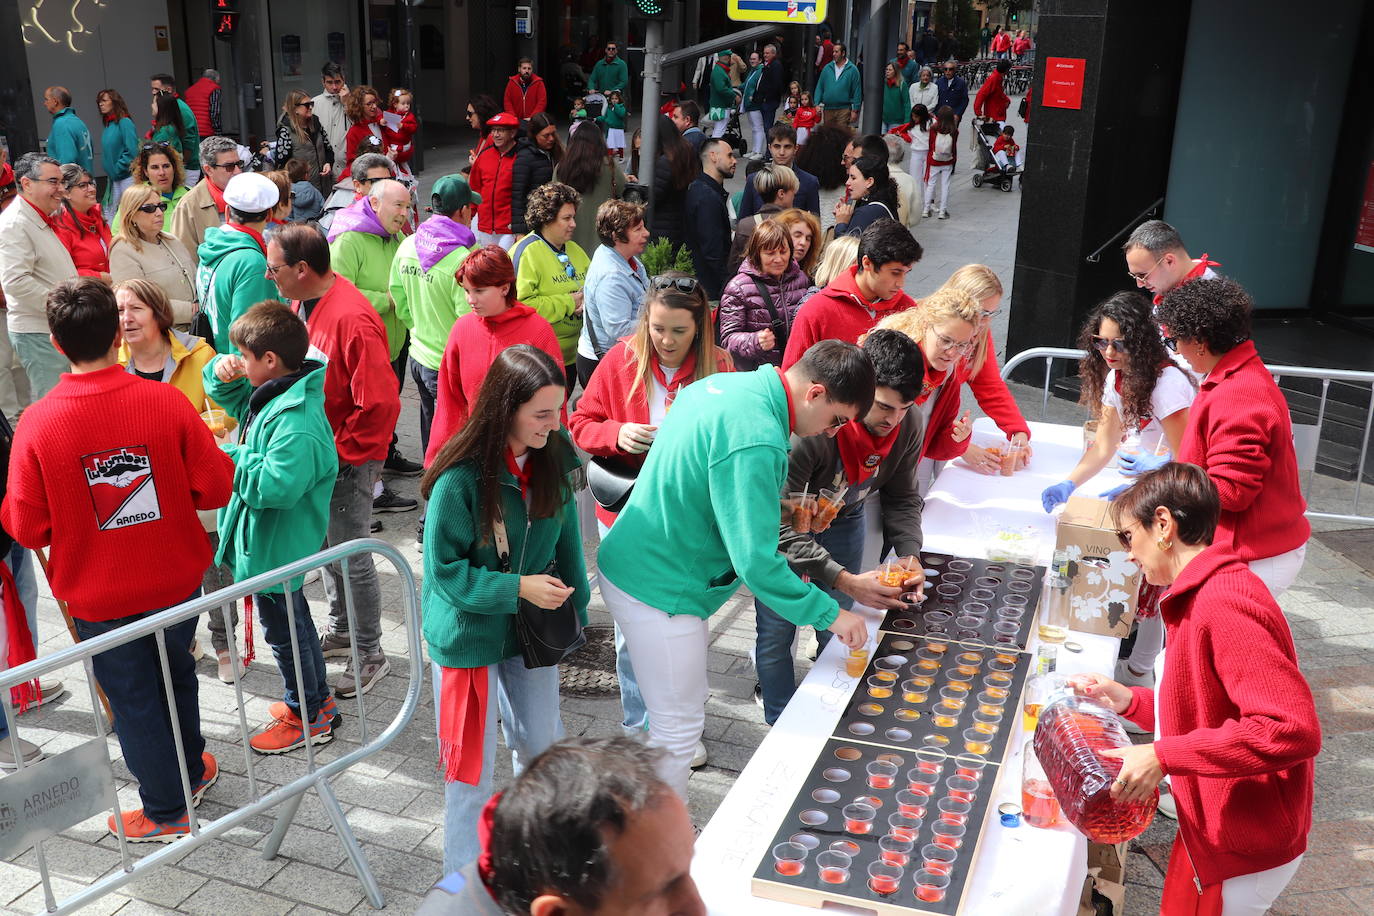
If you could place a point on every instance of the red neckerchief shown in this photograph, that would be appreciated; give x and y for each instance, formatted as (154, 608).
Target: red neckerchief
(893, 82)
(485, 822)
(1116, 386)
(19, 641)
(861, 452)
(787, 393)
(521, 476)
(1195, 273)
(685, 372)
(930, 380)
(257, 236)
(217, 195)
(52, 223)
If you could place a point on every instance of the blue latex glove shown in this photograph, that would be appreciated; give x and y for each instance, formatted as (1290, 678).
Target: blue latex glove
(1133, 465)
(1057, 494)
(1114, 492)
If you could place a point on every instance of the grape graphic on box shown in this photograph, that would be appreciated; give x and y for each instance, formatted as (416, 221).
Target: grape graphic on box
(123, 491)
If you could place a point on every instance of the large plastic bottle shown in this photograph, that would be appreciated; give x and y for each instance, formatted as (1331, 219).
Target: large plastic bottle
(1071, 732)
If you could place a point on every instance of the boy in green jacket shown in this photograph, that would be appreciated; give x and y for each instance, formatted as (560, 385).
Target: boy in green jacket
(284, 471)
(703, 518)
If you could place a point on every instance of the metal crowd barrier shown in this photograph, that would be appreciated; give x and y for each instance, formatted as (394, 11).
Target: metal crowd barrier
(288, 797)
(1327, 377)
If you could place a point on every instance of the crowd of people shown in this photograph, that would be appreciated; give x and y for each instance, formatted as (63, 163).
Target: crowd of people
(235, 355)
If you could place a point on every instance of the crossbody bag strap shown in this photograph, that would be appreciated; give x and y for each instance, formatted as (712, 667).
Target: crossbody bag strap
(768, 300)
(195, 293)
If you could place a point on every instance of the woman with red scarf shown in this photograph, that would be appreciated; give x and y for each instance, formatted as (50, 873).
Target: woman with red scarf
(502, 529)
(496, 322)
(364, 109)
(81, 225)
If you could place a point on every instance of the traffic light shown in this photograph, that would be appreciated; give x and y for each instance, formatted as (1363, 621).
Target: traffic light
(224, 19)
(651, 9)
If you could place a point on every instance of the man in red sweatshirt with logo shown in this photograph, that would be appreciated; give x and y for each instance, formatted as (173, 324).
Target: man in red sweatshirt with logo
(109, 470)
(859, 297)
(362, 403)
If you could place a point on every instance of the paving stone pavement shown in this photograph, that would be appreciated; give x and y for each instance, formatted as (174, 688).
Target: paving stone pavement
(394, 800)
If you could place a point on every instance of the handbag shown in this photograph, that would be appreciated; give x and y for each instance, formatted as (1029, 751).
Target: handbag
(611, 482)
(545, 637)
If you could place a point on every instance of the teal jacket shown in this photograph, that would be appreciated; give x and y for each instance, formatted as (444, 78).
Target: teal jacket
(231, 279)
(613, 117)
(542, 282)
(118, 147)
(896, 102)
(722, 91)
(468, 603)
(190, 139)
(284, 471)
(703, 516)
(365, 259)
(606, 77)
(70, 141)
(750, 89)
(167, 133)
(844, 91)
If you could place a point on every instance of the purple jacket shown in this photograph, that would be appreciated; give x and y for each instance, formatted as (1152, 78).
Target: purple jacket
(743, 313)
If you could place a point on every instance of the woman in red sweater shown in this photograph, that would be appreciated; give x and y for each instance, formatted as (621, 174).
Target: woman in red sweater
(496, 322)
(1238, 730)
(364, 109)
(81, 225)
(992, 101)
(1239, 429)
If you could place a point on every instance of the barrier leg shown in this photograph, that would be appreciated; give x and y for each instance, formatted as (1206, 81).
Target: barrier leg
(350, 845)
(284, 819)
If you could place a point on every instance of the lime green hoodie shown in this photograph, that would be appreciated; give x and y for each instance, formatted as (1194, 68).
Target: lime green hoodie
(231, 279)
(365, 259)
(703, 516)
(284, 472)
(428, 301)
(468, 603)
(542, 282)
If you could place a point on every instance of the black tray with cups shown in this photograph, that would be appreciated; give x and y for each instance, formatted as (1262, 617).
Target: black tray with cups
(971, 600)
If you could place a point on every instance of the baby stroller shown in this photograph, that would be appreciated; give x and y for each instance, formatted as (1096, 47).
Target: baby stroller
(985, 169)
(734, 136)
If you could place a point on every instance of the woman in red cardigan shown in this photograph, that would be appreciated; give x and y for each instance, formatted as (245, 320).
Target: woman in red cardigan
(992, 101)
(364, 109)
(81, 225)
(1239, 429)
(1238, 730)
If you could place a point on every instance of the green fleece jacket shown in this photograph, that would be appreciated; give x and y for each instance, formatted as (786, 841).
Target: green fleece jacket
(468, 603)
(365, 259)
(284, 472)
(428, 301)
(722, 92)
(543, 283)
(703, 516)
(231, 279)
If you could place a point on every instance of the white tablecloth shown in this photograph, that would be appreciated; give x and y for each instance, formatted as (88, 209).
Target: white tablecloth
(1019, 871)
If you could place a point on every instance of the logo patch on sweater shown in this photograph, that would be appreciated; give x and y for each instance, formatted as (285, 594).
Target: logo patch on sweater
(122, 487)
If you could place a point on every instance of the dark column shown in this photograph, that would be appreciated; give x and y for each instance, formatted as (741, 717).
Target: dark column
(1091, 171)
(875, 56)
(16, 91)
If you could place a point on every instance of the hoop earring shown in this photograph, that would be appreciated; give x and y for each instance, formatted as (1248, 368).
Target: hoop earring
(1162, 544)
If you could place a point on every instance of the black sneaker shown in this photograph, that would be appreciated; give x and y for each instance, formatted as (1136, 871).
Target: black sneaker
(390, 502)
(401, 466)
(375, 526)
(758, 694)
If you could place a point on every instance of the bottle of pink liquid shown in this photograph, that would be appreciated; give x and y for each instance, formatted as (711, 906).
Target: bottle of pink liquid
(1071, 732)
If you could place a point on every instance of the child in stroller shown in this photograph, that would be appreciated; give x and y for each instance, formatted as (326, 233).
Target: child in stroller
(989, 169)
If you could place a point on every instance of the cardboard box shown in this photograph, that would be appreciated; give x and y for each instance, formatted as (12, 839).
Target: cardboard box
(1103, 583)
(1104, 890)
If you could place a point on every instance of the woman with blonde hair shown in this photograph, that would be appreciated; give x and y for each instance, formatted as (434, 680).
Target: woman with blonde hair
(838, 256)
(300, 135)
(944, 326)
(144, 250)
(984, 376)
(805, 230)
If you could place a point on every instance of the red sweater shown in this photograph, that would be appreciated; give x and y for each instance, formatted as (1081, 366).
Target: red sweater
(1240, 431)
(360, 395)
(402, 137)
(991, 100)
(491, 177)
(526, 101)
(838, 312)
(1237, 723)
(472, 347)
(87, 238)
(807, 117)
(109, 469)
(361, 139)
(991, 393)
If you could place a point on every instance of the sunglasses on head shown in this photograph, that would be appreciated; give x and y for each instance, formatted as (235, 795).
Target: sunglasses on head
(687, 285)
(156, 145)
(153, 208)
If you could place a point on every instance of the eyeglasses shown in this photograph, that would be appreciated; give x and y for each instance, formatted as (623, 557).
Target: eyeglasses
(153, 208)
(235, 166)
(1103, 344)
(88, 183)
(837, 423)
(272, 269)
(687, 285)
(52, 181)
(988, 315)
(950, 345)
(1140, 278)
(160, 144)
(567, 264)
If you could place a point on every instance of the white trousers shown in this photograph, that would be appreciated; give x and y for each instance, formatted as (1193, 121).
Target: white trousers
(718, 129)
(802, 134)
(491, 238)
(1279, 572)
(941, 175)
(1252, 895)
(673, 648)
(760, 138)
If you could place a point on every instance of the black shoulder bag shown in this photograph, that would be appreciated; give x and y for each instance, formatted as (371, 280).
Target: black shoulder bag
(545, 637)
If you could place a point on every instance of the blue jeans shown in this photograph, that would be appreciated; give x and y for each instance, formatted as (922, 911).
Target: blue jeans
(526, 699)
(131, 675)
(272, 610)
(20, 562)
(775, 634)
(636, 715)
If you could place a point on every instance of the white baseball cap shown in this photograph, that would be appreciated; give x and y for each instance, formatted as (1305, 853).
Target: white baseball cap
(249, 192)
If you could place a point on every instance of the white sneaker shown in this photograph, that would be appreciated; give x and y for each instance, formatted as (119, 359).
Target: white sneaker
(700, 757)
(944, 214)
(1124, 675)
(928, 212)
(1167, 806)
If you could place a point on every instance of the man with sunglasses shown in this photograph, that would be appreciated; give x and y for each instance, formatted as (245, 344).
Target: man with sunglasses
(953, 90)
(703, 519)
(203, 206)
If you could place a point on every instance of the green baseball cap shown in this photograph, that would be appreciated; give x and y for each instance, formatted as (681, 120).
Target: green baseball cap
(726, 53)
(452, 192)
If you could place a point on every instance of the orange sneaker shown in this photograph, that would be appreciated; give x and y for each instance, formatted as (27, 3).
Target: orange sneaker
(207, 778)
(330, 709)
(288, 732)
(139, 828)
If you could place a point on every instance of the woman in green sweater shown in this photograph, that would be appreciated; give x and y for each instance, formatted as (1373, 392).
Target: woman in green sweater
(896, 107)
(167, 126)
(509, 469)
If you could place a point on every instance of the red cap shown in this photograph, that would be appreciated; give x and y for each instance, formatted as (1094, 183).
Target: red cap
(504, 119)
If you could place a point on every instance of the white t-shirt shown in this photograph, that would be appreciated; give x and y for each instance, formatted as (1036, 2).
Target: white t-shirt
(1173, 392)
(658, 398)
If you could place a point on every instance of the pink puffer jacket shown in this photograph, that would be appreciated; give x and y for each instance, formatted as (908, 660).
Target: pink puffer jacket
(743, 313)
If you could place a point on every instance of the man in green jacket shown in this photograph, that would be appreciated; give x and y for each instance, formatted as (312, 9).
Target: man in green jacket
(609, 73)
(839, 90)
(428, 296)
(232, 276)
(70, 139)
(165, 84)
(723, 97)
(703, 519)
(284, 469)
